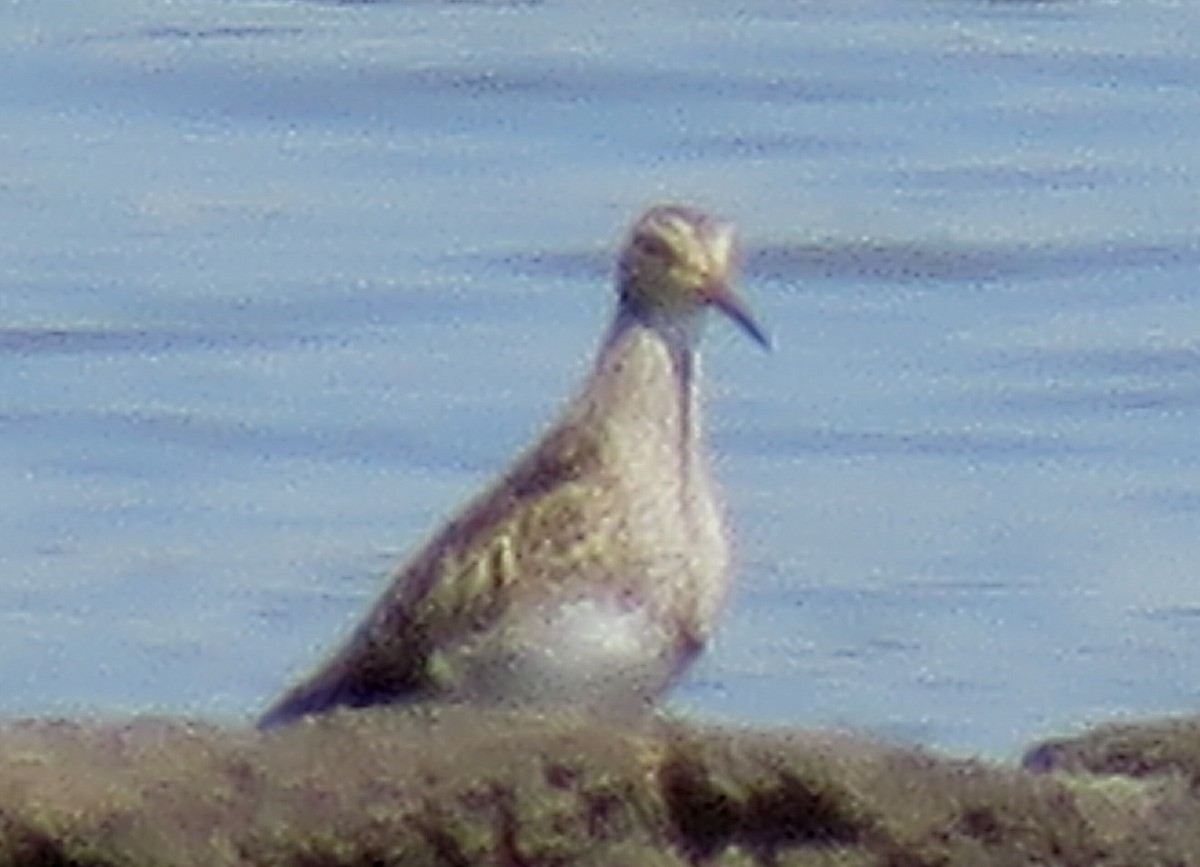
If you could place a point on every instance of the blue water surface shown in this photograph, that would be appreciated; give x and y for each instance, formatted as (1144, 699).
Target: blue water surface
(283, 282)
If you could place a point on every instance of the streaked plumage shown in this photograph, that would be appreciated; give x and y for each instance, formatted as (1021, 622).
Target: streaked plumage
(593, 570)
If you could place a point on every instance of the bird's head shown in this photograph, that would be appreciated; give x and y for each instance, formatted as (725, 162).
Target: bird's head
(678, 261)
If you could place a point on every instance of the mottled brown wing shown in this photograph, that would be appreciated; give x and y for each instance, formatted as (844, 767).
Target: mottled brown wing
(527, 534)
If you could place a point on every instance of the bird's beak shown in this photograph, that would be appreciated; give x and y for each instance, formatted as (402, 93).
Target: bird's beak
(722, 296)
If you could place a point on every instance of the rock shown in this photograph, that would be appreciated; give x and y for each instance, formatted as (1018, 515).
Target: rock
(1152, 748)
(460, 785)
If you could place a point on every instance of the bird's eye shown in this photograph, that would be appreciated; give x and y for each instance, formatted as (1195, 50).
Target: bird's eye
(650, 245)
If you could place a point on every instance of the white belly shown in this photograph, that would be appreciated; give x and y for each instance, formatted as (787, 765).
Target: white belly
(597, 651)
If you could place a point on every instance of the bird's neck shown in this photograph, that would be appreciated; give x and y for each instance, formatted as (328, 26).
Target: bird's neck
(644, 392)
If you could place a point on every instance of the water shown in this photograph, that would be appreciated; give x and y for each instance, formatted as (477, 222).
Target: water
(284, 282)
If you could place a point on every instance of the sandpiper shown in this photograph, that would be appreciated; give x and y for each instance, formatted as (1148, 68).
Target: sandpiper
(592, 572)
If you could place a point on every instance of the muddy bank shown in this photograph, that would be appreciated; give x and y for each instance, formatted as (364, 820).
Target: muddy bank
(457, 786)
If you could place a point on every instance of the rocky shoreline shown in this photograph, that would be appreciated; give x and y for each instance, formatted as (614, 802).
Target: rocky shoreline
(460, 785)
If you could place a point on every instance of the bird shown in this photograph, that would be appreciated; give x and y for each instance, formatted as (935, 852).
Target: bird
(592, 572)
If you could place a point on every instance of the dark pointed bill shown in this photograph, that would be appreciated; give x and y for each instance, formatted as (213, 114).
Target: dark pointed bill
(724, 299)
